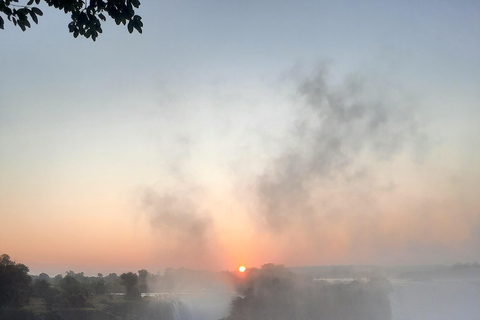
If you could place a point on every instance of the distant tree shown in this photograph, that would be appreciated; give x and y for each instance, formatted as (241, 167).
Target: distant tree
(113, 283)
(57, 281)
(111, 277)
(15, 283)
(169, 281)
(44, 276)
(86, 15)
(275, 293)
(43, 289)
(79, 276)
(100, 287)
(142, 280)
(268, 293)
(130, 280)
(73, 292)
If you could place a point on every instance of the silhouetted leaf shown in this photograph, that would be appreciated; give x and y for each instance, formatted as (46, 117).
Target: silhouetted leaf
(37, 11)
(34, 17)
(130, 12)
(135, 3)
(139, 28)
(82, 18)
(1, 23)
(23, 12)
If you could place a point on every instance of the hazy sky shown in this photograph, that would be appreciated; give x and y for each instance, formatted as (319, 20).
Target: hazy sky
(243, 132)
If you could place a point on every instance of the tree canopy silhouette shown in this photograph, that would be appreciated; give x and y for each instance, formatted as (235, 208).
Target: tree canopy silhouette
(15, 283)
(86, 18)
(130, 280)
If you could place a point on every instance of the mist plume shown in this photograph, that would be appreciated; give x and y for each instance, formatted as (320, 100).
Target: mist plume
(186, 235)
(340, 132)
(334, 194)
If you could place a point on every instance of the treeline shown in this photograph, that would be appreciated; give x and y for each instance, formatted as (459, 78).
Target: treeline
(270, 293)
(76, 290)
(69, 290)
(275, 293)
(457, 271)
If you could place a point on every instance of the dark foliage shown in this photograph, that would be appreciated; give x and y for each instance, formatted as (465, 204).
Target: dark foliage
(142, 280)
(86, 15)
(74, 292)
(15, 283)
(273, 292)
(130, 280)
(42, 288)
(100, 287)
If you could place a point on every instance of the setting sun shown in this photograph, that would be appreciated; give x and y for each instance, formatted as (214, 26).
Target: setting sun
(241, 269)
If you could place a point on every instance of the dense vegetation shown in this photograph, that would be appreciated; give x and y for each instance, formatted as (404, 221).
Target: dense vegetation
(14, 283)
(22, 295)
(77, 296)
(272, 292)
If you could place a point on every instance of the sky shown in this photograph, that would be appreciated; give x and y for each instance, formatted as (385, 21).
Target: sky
(243, 132)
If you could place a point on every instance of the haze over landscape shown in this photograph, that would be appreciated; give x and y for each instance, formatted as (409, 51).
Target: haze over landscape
(243, 132)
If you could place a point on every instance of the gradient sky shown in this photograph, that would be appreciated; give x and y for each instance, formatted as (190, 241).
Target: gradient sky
(243, 132)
